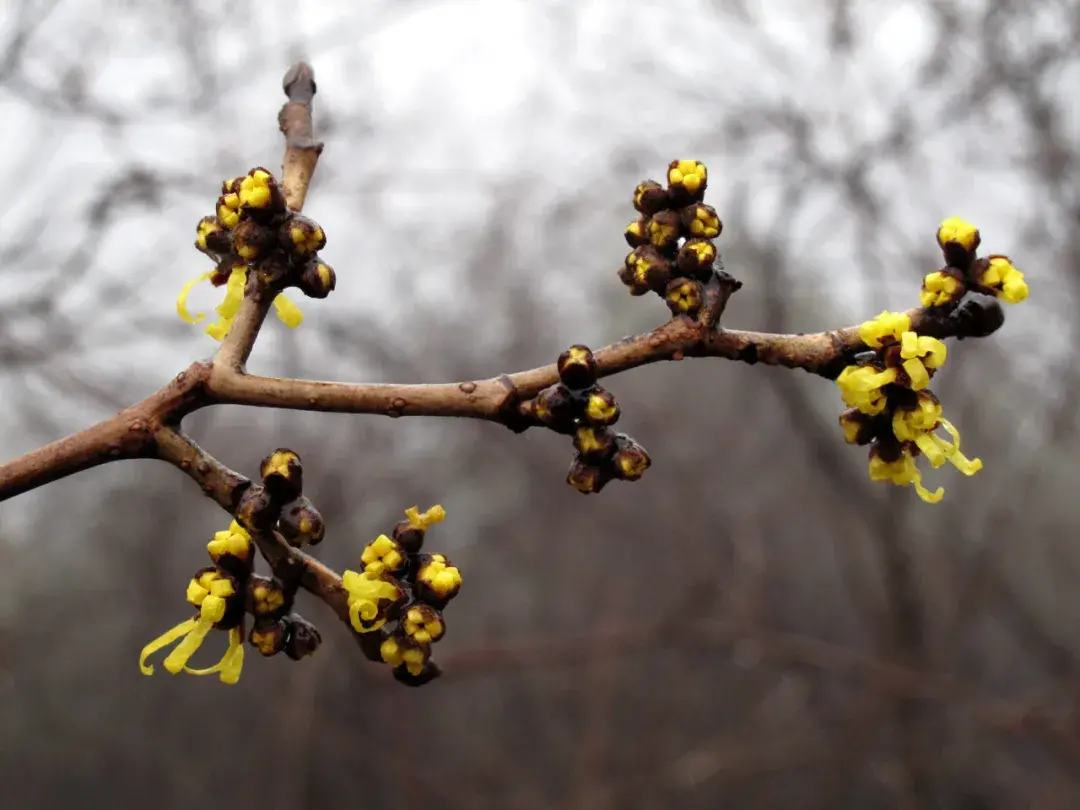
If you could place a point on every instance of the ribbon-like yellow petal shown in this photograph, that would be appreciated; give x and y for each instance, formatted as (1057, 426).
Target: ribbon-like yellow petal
(183, 651)
(918, 374)
(231, 662)
(924, 493)
(422, 520)
(227, 309)
(181, 301)
(288, 312)
(162, 641)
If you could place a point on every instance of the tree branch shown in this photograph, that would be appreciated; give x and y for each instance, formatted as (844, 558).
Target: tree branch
(225, 487)
(151, 428)
(301, 156)
(502, 399)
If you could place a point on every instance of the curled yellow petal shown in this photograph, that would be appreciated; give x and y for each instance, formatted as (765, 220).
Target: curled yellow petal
(909, 344)
(227, 309)
(162, 641)
(362, 614)
(231, 662)
(956, 458)
(288, 312)
(364, 593)
(915, 369)
(886, 325)
(234, 293)
(924, 493)
(181, 301)
(902, 472)
(418, 520)
(931, 447)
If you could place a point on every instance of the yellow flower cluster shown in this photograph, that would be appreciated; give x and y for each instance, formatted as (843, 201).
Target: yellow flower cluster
(399, 584)
(994, 275)
(892, 409)
(245, 229)
(218, 593)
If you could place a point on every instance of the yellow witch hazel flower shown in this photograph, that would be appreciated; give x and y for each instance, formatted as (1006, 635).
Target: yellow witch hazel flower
(893, 411)
(247, 225)
(914, 429)
(365, 592)
(902, 472)
(374, 588)
(887, 328)
(287, 312)
(396, 602)
(959, 240)
(911, 366)
(425, 520)
(210, 591)
(921, 355)
(918, 426)
(860, 386)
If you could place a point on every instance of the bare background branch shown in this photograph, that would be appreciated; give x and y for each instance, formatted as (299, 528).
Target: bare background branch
(470, 175)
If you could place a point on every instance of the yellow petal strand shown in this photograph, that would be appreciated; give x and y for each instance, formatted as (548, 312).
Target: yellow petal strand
(418, 520)
(956, 458)
(227, 309)
(234, 658)
(953, 432)
(933, 350)
(361, 611)
(162, 641)
(925, 494)
(931, 448)
(364, 593)
(234, 293)
(288, 312)
(909, 344)
(181, 301)
(219, 330)
(231, 662)
(183, 651)
(915, 477)
(917, 372)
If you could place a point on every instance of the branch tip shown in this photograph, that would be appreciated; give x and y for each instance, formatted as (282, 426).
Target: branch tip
(299, 83)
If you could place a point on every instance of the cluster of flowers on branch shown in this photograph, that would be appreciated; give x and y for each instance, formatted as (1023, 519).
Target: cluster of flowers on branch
(227, 592)
(253, 236)
(891, 407)
(396, 600)
(673, 253)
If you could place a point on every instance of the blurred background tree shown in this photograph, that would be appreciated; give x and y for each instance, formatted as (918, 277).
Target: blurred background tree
(754, 624)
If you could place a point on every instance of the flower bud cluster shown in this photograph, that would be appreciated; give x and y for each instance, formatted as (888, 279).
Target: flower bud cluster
(253, 238)
(578, 406)
(397, 598)
(673, 252)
